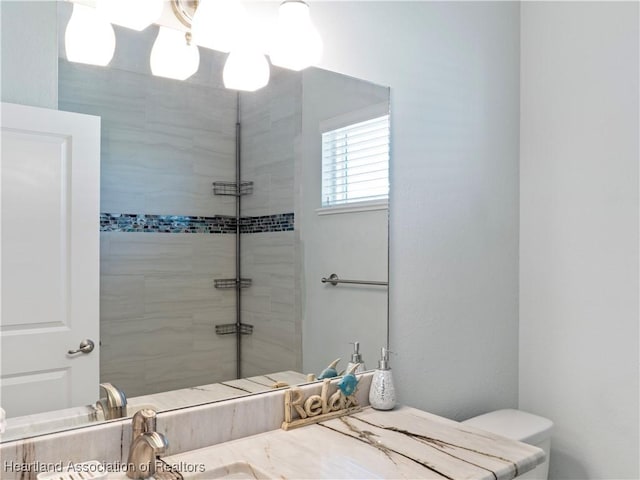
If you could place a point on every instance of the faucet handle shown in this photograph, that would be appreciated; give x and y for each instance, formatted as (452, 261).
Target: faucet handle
(114, 405)
(144, 421)
(158, 442)
(115, 396)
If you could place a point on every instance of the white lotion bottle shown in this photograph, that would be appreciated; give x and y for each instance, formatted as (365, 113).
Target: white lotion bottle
(356, 358)
(382, 395)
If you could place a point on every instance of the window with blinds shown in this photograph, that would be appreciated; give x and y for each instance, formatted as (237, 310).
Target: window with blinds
(355, 163)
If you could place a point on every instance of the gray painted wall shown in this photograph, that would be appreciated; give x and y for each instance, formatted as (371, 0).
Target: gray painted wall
(579, 233)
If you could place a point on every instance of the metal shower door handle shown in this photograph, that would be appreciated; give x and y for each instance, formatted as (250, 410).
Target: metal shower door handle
(86, 346)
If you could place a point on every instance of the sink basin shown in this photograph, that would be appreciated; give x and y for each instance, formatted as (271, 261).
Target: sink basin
(237, 470)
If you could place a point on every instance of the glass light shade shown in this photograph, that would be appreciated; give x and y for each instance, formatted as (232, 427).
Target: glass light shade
(246, 69)
(217, 24)
(89, 38)
(172, 57)
(134, 14)
(297, 43)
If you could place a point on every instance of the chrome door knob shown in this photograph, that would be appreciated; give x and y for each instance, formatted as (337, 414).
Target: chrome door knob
(86, 346)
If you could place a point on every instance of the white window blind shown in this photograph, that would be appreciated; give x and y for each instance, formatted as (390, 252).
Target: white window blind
(355, 163)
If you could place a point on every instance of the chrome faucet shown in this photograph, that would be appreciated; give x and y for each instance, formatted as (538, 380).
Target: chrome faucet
(146, 443)
(114, 405)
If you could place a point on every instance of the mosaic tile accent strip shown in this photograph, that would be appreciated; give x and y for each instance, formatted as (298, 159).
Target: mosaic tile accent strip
(282, 222)
(127, 222)
(220, 224)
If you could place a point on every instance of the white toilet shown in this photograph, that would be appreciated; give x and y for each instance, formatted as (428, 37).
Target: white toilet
(522, 426)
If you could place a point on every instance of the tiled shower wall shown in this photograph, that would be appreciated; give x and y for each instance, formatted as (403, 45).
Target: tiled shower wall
(271, 120)
(163, 144)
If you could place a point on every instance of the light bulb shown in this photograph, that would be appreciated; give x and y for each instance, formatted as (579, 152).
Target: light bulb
(297, 43)
(89, 38)
(172, 56)
(217, 24)
(246, 69)
(136, 14)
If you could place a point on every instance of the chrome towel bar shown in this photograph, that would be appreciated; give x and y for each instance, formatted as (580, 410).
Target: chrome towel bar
(334, 280)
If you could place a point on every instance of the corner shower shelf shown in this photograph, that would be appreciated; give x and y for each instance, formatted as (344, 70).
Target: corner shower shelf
(232, 188)
(231, 283)
(232, 328)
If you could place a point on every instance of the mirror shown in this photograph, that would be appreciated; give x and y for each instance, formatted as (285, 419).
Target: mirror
(168, 297)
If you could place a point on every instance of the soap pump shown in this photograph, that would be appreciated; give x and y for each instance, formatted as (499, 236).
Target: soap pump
(356, 358)
(382, 395)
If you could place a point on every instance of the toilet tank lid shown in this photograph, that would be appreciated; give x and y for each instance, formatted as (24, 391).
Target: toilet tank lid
(515, 424)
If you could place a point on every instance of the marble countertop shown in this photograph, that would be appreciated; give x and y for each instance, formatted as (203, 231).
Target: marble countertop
(186, 397)
(402, 443)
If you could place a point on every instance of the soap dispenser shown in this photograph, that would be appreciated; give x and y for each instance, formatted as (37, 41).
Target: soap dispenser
(382, 395)
(356, 357)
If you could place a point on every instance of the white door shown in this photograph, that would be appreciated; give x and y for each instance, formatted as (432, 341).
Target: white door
(50, 201)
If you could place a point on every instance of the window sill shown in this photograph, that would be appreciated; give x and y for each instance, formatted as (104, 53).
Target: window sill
(354, 207)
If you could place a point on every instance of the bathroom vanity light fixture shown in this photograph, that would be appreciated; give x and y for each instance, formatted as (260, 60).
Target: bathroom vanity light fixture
(89, 38)
(173, 55)
(297, 43)
(246, 69)
(221, 25)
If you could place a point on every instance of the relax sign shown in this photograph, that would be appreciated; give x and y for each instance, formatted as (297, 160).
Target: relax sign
(316, 408)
